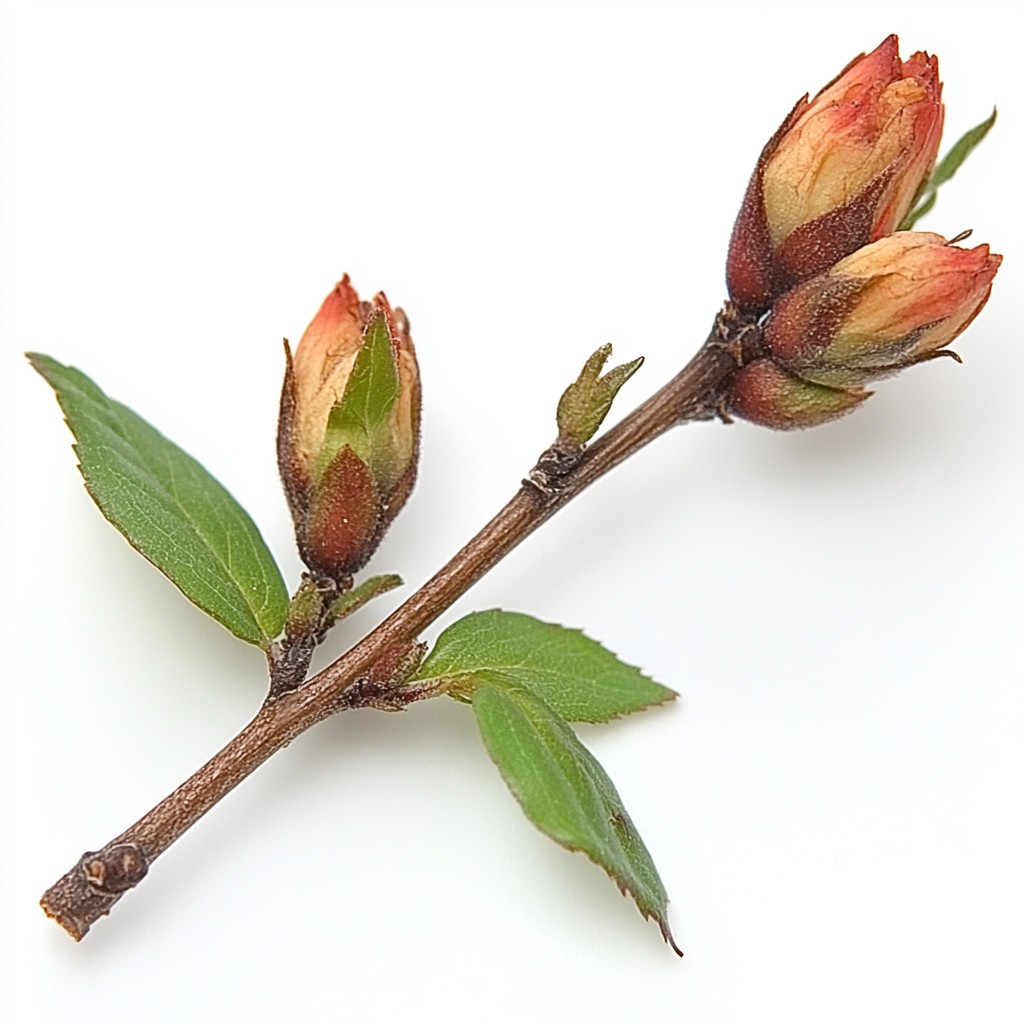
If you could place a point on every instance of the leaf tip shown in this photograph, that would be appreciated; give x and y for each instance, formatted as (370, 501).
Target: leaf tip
(38, 361)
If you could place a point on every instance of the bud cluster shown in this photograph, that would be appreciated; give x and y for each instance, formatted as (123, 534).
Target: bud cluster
(843, 297)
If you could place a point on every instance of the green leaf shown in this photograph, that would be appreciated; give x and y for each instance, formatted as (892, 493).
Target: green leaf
(362, 418)
(352, 600)
(577, 677)
(924, 206)
(566, 793)
(945, 169)
(171, 510)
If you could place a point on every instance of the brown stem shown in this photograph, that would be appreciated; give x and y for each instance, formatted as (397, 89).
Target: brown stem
(98, 880)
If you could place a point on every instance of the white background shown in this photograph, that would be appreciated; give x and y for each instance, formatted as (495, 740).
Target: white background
(834, 804)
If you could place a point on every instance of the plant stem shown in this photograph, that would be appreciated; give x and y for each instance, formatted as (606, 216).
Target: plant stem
(98, 880)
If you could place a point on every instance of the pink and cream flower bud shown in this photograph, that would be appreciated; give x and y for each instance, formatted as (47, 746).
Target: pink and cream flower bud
(348, 432)
(891, 304)
(842, 171)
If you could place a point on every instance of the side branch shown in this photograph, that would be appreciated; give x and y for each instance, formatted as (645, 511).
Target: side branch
(97, 881)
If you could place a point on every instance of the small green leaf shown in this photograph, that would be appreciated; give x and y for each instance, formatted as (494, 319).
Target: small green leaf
(362, 418)
(354, 599)
(577, 677)
(945, 169)
(171, 510)
(566, 793)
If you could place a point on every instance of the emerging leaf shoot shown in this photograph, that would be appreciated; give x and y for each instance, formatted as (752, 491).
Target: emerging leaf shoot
(585, 403)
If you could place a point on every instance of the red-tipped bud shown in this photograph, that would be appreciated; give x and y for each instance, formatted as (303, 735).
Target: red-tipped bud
(766, 394)
(894, 303)
(841, 171)
(348, 433)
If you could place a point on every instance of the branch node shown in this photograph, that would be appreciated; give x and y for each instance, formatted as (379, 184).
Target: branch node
(552, 467)
(115, 869)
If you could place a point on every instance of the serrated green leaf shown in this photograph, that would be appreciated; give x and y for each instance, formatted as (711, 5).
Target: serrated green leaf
(171, 509)
(945, 169)
(577, 677)
(362, 418)
(566, 793)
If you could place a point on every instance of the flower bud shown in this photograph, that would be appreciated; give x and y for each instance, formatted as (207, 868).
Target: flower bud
(842, 170)
(894, 303)
(766, 394)
(348, 433)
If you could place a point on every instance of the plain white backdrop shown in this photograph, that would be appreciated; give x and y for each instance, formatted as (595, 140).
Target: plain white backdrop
(834, 803)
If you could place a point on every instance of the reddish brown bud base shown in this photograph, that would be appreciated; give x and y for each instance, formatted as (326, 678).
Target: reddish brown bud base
(344, 520)
(766, 394)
